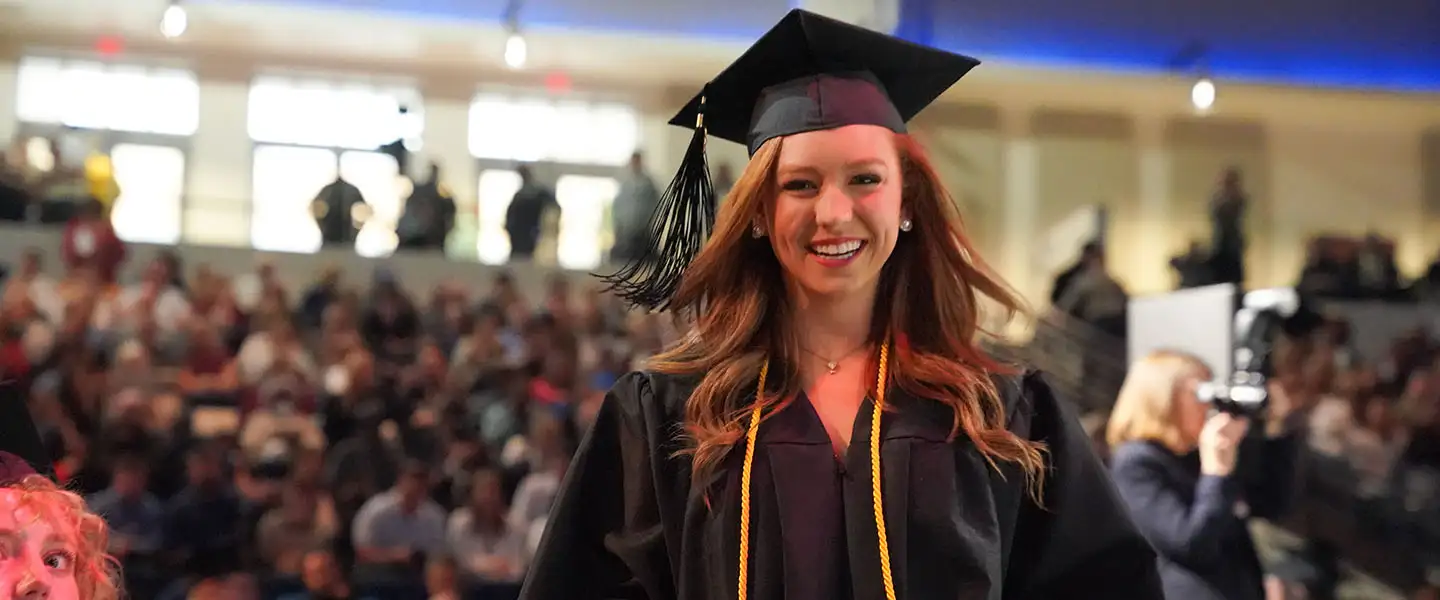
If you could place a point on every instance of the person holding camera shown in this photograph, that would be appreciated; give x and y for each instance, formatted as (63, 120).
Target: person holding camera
(1186, 474)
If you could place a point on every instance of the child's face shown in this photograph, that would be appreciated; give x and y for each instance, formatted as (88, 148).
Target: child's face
(37, 557)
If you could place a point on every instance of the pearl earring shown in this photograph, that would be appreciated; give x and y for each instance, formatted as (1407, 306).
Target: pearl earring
(756, 232)
(906, 224)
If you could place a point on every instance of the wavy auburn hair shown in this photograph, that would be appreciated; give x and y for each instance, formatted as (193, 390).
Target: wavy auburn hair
(97, 574)
(733, 296)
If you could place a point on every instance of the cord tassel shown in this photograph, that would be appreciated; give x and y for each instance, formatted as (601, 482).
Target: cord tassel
(881, 532)
(678, 229)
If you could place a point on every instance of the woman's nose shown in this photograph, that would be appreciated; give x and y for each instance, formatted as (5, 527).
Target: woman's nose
(833, 206)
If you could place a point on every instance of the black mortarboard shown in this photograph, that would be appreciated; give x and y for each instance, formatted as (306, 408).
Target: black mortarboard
(807, 73)
(19, 440)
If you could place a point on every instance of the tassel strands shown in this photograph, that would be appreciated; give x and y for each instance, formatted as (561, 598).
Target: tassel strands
(677, 231)
(876, 492)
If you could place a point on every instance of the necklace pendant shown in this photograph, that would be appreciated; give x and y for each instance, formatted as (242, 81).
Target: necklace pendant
(831, 366)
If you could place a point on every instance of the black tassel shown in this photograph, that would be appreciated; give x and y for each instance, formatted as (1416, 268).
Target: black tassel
(678, 230)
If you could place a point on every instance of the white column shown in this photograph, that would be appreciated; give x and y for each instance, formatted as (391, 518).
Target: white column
(219, 169)
(8, 93)
(1150, 268)
(879, 15)
(1021, 206)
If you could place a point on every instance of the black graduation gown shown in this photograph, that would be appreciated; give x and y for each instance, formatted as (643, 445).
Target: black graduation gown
(627, 523)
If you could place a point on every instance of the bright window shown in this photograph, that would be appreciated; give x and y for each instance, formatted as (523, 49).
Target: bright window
(497, 189)
(584, 203)
(531, 130)
(378, 179)
(152, 183)
(286, 181)
(95, 95)
(323, 113)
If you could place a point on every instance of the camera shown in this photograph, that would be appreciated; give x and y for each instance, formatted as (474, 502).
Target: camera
(1262, 317)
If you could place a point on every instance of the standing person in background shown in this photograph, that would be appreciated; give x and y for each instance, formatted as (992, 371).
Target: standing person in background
(1176, 468)
(90, 242)
(829, 428)
(636, 201)
(429, 214)
(526, 214)
(1227, 217)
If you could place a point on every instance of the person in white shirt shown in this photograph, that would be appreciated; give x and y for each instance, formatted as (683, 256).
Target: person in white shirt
(481, 537)
(398, 526)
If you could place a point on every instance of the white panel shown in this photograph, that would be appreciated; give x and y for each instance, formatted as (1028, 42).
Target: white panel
(152, 182)
(497, 189)
(529, 130)
(287, 179)
(584, 220)
(95, 95)
(8, 93)
(379, 182)
(1198, 321)
(322, 113)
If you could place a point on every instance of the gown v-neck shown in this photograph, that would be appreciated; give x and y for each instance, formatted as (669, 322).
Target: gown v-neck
(841, 455)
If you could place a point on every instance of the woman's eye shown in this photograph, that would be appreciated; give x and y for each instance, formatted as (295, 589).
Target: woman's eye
(865, 179)
(799, 185)
(60, 560)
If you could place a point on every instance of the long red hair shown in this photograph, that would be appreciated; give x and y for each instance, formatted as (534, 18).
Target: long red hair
(733, 296)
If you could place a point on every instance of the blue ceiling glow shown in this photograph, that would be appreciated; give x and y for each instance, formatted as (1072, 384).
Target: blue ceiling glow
(1381, 44)
(1386, 44)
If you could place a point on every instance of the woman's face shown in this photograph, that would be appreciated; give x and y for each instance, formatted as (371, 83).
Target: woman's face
(838, 208)
(1190, 412)
(37, 558)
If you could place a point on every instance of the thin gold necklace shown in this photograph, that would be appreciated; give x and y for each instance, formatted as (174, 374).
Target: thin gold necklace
(831, 365)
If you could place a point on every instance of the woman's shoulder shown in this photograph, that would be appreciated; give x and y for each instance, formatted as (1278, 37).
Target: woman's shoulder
(1026, 394)
(649, 395)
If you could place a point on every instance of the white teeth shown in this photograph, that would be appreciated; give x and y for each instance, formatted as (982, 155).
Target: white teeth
(841, 250)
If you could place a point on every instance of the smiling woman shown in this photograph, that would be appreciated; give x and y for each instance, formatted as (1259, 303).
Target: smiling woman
(830, 429)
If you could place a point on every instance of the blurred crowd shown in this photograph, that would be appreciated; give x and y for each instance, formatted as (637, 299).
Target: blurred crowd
(338, 441)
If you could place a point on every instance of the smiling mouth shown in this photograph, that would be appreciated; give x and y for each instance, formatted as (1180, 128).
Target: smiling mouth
(837, 251)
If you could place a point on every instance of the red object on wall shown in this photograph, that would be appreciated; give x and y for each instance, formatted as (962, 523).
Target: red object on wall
(557, 82)
(109, 45)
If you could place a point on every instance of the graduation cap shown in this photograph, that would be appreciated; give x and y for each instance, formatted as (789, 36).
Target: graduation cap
(21, 450)
(808, 73)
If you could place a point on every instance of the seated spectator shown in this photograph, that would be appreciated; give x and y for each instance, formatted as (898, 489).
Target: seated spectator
(207, 371)
(154, 300)
(441, 580)
(390, 325)
(395, 529)
(274, 346)
(1375, 444)
(364, 464)
(481, 538)
(135, 516)
(304, 521)
(536, 493)
(203, 521)
(29, 279)
(318, 299)
(323, 579)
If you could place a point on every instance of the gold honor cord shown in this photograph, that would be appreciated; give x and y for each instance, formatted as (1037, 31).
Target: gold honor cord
(875, 492)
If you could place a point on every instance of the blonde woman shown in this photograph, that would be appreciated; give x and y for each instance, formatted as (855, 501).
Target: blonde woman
(1174, 461)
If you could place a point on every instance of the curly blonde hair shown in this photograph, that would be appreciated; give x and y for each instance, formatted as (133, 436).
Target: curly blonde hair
(97, 574)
